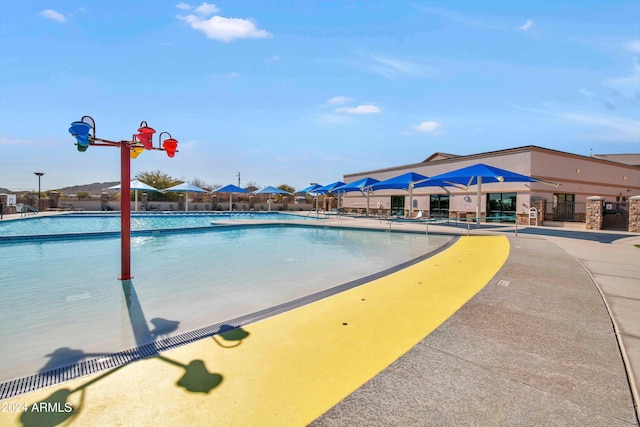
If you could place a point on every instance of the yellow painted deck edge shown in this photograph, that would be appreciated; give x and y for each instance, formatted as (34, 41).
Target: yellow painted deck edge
(290, 368)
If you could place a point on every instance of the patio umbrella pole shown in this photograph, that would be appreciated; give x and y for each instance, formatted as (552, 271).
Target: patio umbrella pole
(478, 204)
(368, 203)
(410, 199)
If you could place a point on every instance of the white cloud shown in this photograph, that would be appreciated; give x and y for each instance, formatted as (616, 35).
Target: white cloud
(229, 76)
(53, 15)
(627, 84)
(454, 16)
(392, 68)
(13, 141)
(633, 46)
(273, 59)
(183, 6)
(339, 100)
(424, 127)
(527, 25)
(225, 29)
(617, 129)
(206, 9)
(360, 109)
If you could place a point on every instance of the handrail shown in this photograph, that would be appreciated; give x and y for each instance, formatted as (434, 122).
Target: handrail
(477, 220)
(24, 209)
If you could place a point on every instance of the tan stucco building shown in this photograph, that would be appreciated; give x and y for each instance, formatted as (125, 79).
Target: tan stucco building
(613, 177)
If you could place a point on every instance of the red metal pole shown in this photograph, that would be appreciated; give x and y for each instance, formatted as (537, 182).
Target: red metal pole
(125, 211)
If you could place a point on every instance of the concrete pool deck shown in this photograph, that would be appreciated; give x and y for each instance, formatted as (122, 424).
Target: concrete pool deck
(538, 344)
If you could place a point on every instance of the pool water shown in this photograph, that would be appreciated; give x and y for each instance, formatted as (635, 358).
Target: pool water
(87, 223)
(63, 297)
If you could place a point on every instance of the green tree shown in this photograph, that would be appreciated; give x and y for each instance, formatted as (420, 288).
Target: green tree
(159, 180)
(287, 188)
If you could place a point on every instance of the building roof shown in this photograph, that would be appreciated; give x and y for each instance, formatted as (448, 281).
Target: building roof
(446, 158)
(627, 159)
(440, 156)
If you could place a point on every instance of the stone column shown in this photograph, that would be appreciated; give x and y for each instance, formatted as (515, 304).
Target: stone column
(3, 204)
(144, 203)
(104, 201)
(181, 202)
(634, 214)
(285, 203)
(595, 213)
(53, 199)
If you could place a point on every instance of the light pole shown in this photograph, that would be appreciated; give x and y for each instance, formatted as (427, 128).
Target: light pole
(39, 175)
(84, 131)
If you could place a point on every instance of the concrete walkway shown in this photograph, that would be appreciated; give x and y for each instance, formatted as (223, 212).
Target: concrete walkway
(554, 339)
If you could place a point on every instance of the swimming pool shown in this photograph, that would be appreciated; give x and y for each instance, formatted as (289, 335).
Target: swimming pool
(60, 302)
(99, 223)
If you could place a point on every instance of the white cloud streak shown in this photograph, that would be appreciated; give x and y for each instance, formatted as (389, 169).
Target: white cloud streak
(339, 100)
(393, 68)
(360, 109)
(617, 129)
(607, 128)
(53, 15)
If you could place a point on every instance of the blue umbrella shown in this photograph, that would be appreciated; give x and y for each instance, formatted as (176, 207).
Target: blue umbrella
(230, 189)
(405, 181)
(270, 190)
(363, 185)
(186, 187)
(400, 182)
(310, 189)
(359, 185)
(136, 185)
(479, 173)
(330, 188)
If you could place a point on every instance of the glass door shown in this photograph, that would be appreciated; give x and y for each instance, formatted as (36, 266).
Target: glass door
(397, 205)
(500, 205)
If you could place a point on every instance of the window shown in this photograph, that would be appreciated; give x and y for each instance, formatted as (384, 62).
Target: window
(439, 206)
(501, 205)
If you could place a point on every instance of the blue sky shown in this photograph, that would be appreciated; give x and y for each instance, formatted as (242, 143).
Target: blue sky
(305, 91)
